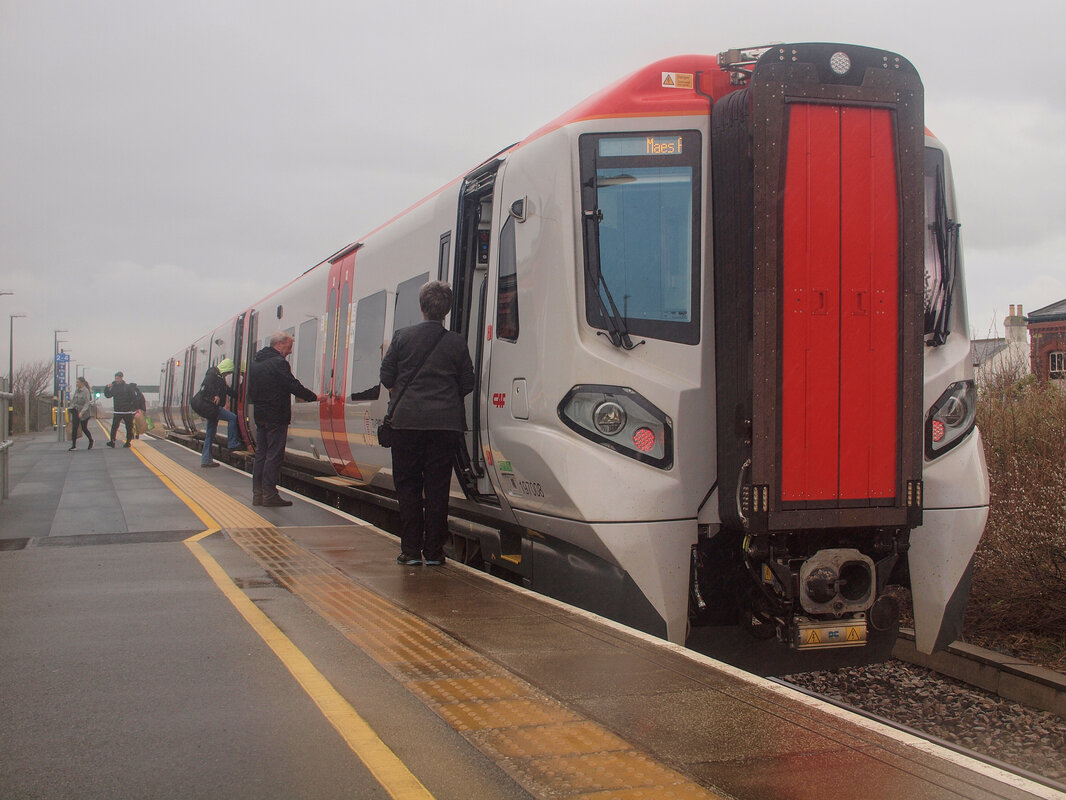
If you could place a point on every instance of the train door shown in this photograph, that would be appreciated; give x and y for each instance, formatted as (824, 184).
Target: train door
(168, 392)
(469, 318)
(335, 362)
(251, 347)
(238, 369)
(188, 388)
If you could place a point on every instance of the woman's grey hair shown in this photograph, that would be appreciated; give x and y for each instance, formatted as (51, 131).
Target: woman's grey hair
(277, 337)
(435, 300)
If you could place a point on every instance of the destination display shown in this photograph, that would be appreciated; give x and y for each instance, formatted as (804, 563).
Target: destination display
(641, 146)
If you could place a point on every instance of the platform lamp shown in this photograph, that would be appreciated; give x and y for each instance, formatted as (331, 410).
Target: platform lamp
(10, 379)
(11, 352)
(11, 364)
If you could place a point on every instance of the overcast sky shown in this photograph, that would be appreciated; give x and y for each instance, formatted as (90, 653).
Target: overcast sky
(163, 165)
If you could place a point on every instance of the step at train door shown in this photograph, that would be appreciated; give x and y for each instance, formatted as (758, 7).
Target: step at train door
(470, 281)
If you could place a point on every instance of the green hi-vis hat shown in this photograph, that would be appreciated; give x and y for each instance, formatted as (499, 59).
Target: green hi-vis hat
(225, 365)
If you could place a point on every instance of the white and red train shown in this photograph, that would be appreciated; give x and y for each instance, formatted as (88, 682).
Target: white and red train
(717, 318)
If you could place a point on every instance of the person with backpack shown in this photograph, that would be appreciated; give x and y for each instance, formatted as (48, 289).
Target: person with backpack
(210, 403)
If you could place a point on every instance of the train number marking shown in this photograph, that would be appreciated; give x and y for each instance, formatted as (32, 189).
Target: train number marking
(530, 488)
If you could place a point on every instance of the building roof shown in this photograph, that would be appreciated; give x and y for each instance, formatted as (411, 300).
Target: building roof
(981, 350)
(1052, 313)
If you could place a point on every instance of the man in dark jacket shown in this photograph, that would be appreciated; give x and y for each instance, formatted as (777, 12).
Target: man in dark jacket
(124, 396)
(427, 421)
(270, 382)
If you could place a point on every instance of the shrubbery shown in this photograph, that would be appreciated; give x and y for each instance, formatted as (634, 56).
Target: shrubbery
(1018, 601)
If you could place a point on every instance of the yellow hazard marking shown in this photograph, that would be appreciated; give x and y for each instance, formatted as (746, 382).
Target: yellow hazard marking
(382, 763)
(853, 635)
(813, 637)
(494, 710)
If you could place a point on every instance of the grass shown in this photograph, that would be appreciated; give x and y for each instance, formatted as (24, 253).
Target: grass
(1018, 600)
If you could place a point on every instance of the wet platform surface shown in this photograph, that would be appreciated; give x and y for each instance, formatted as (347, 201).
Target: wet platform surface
(184, 644)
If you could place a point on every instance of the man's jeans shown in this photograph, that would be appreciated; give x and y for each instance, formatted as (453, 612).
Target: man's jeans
(233, 432)
(269, 453)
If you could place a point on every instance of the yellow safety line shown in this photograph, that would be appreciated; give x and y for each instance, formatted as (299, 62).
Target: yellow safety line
(383, 764)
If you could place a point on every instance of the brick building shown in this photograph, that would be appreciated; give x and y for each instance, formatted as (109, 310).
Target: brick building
(1047, 336)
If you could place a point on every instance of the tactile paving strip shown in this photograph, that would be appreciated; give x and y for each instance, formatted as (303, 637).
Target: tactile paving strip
(548, 749)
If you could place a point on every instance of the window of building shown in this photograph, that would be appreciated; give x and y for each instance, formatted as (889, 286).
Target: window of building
(1056, 364)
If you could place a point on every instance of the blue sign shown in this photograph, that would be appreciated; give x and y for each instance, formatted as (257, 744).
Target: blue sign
(62, 358)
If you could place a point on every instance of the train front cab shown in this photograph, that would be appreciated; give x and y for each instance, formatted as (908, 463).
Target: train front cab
(820, 212)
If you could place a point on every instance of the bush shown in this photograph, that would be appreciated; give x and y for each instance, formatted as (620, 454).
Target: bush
(1018, 600)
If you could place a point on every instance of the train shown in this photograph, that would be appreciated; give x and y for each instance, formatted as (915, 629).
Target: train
(717, 317)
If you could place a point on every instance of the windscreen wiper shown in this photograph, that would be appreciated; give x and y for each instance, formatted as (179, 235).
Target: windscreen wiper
(616, 326)
(946, 231)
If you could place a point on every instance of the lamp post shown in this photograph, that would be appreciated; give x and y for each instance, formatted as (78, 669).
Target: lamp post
(11, 352)
(10, 378)
(11, 365)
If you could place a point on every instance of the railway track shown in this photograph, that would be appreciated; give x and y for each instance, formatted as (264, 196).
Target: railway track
(1010, 765)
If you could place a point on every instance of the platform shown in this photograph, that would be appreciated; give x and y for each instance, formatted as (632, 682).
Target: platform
(162, 638)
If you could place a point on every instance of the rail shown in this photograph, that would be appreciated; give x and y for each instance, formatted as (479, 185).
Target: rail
(5, 443)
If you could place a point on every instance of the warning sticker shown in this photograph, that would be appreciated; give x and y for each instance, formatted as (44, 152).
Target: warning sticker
(678, 80)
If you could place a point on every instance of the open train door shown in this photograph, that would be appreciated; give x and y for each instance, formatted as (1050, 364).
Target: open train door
(247, 415)
(470, 281)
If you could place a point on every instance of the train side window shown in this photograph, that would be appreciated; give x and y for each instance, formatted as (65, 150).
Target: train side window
(306, 347)
(507, 288)
(366, 350)
(408, 312)
(444, 257)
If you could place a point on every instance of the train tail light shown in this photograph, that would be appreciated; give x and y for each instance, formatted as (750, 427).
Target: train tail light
(620, 419)
(951, 418)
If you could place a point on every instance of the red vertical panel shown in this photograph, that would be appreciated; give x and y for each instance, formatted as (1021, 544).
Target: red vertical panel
(332, 399)
(869, 328)
(810, 397)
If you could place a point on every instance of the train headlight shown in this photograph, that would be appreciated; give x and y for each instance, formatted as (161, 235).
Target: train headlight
(952, 416)
(620, 419)
(609, 417)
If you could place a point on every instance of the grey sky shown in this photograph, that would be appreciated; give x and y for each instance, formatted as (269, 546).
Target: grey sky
(163, 165)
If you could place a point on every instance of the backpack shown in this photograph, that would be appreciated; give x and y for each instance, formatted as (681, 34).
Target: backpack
(203, 406)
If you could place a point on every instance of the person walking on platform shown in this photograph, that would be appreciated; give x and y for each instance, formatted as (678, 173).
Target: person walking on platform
(270, 382)
(212, 406)
(431, 367)
(80, 403)
(125, 406)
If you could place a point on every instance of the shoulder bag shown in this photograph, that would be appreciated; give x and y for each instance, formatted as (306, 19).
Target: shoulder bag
(385, 428)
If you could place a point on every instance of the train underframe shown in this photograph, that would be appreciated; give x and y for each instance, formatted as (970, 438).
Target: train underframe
(808, 589)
